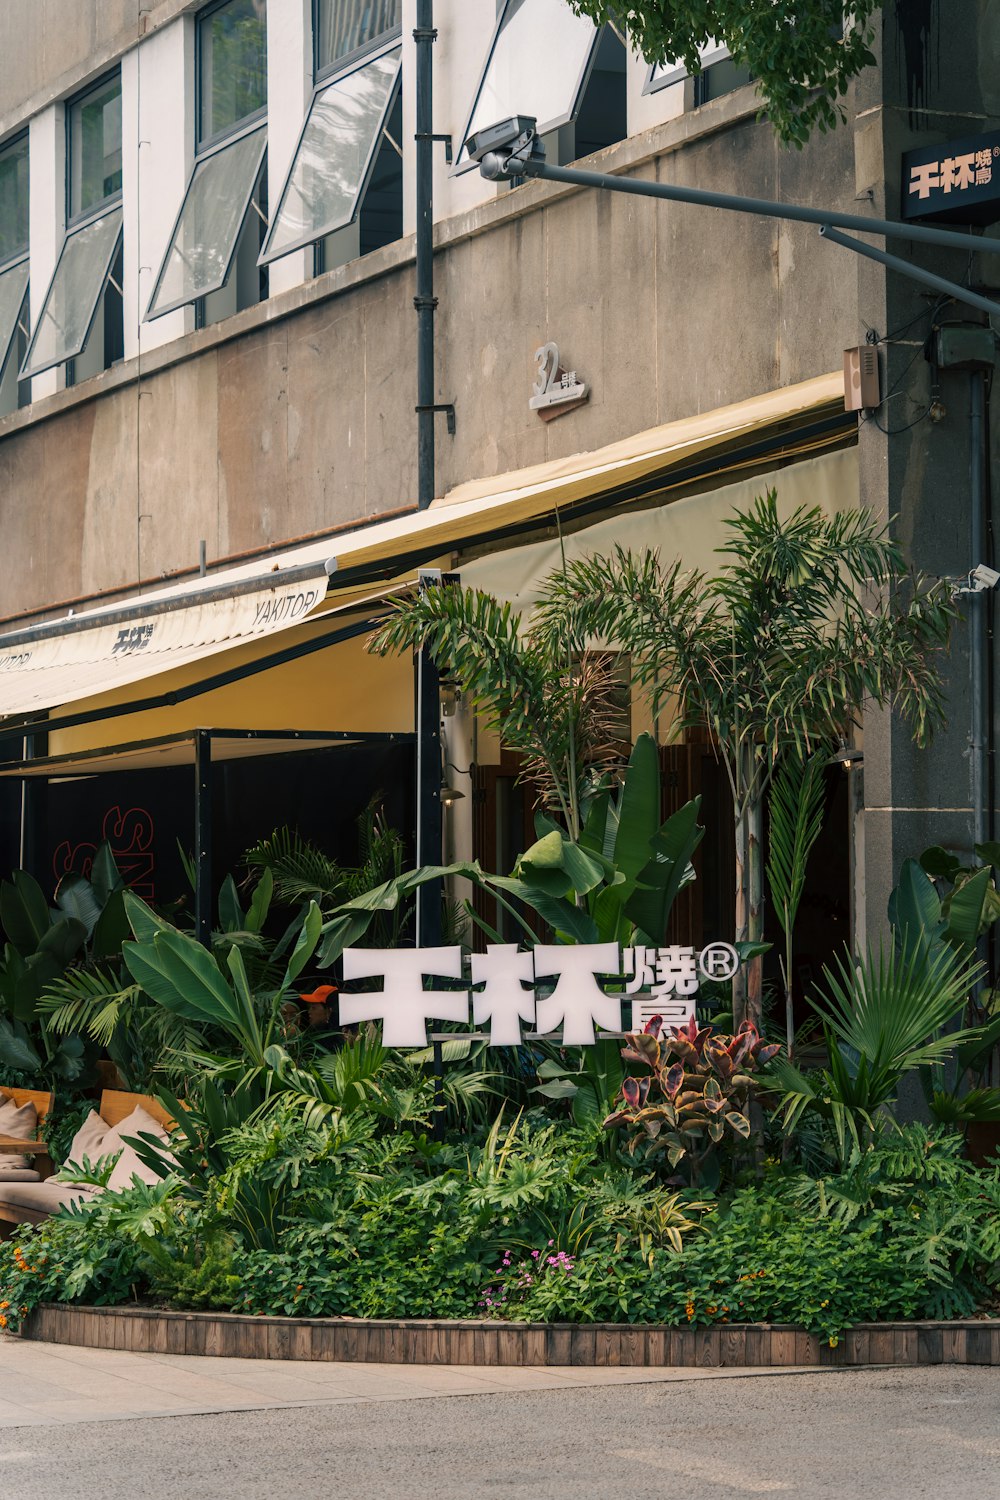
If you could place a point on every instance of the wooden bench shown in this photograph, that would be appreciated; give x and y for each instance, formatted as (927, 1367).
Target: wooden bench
(116, 1106)
(11, 1146)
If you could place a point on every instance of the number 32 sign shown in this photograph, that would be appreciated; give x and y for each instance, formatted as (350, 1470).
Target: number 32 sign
(555, 391)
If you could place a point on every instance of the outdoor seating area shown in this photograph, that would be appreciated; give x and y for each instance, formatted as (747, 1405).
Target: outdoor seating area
(30, 1197)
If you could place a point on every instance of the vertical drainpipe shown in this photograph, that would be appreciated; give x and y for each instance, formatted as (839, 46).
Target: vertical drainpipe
(977, 602)
(428, 788)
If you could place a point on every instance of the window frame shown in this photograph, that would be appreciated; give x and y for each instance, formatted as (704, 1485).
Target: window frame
(249, 127)
(463, 165)
(12, 264)
(206, 145)
(107, 207)
(23, 252)
(349, 59)
(679, 73)
(94, 210)
(363, 57)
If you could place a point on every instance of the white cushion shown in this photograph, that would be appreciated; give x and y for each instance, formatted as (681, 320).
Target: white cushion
(20, 1121)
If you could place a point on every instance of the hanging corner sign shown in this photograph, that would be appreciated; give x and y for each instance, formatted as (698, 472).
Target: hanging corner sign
(556, 391)
(957, 183)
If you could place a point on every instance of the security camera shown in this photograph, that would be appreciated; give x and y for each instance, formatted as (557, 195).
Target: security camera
(983, 577)
(496, 137)
(979, 579)
(503, 149)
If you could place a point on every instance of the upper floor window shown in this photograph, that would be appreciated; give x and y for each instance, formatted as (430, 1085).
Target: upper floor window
(14, 198)
(343, 27)
(719, 74)
(211, 257)
(232, 66)
(94, 147)
(541, 62)
(82, 308)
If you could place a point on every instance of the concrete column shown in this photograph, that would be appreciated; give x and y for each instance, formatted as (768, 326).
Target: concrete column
(916, 472)
(47, 218)
(157, 152)
(289, 91)
(647, 110)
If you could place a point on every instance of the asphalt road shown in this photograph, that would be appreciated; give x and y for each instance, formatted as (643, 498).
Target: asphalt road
(890, 1434)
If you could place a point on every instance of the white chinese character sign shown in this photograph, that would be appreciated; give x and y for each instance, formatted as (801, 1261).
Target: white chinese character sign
(958, 183)
(566, 990)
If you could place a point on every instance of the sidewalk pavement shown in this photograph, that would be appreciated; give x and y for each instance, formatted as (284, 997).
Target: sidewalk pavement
(50, 1384)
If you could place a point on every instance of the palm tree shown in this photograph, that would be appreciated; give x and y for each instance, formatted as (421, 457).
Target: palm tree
(811, 619)
(558, 709)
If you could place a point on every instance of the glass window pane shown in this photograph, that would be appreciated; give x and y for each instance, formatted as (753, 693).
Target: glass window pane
(14, 198)
(201, 248)
(522, 77)
(233, 61)
(74, 292)
(330, 167)
(13, 285)
(95, 137)
(342, 26)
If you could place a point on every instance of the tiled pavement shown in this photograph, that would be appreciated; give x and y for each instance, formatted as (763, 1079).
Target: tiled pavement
(47, 1384)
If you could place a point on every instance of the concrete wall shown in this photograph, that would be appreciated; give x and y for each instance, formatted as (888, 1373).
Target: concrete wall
(297, 415)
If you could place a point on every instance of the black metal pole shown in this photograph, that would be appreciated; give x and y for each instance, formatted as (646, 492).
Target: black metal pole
(907, 268)
(28, 852)
(428, 712)
(437, 1125)
(425, 301)
(769, 208)
(203, 837)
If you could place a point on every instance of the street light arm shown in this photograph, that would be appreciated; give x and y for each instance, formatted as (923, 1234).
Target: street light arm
(536, 166)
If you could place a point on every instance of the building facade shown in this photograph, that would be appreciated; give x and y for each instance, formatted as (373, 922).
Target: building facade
(207, 220)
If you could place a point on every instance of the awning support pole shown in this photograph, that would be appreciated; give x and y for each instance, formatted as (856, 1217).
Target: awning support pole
(203, 837)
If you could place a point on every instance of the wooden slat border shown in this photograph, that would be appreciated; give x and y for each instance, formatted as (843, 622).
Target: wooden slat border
(472, 1342)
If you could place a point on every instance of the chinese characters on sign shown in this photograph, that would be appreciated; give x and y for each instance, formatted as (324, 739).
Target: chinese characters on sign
(659, 981)
(955, 182)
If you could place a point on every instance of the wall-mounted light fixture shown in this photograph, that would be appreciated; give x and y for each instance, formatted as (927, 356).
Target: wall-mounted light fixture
(848, 759)
(450, 795)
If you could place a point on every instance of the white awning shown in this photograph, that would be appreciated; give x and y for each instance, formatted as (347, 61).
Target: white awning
(64, 661)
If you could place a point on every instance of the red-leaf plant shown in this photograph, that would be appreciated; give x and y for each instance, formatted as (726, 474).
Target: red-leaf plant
(698, 1092)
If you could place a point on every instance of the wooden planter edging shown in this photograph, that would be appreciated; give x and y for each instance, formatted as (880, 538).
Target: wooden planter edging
(474, 1342)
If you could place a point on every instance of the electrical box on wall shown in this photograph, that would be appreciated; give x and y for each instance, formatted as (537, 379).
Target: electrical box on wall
(964, 346)
(861, 378)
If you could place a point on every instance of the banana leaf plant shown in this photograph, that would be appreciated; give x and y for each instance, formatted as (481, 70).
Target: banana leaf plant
(214, 991)
(617, 883)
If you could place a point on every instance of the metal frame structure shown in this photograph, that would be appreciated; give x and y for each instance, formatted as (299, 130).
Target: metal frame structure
(7, 345)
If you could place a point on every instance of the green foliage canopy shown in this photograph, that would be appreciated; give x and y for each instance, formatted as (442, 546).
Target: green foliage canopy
(801, 52)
